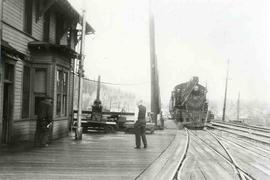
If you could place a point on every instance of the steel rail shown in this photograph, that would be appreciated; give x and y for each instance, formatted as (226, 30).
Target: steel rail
(250, 127)
(240, 172)
(228, 130)
(266, 129)
(251, 149)
(182, 161)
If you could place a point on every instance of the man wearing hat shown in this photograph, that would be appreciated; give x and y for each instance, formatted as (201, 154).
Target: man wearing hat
(44, 121)
(140, 125)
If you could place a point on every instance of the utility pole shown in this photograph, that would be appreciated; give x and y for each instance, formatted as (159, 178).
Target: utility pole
(238, 106)
(225, 96)
(1, 16)
(155, 97)
(1, 13)
(78, 135)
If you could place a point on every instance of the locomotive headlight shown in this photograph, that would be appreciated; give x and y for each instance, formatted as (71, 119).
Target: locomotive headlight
(196, 88)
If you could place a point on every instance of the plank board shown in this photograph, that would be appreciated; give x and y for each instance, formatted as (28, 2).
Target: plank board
(97, 156)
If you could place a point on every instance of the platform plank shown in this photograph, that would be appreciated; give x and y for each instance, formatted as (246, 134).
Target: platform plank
(97, 156)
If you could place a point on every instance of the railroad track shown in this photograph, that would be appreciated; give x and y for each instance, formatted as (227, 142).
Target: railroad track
(182, 160)
(169, 163)
(247, 145)
(258, 128)
(250, 132)
(260, 131)
(242, 174)
(215, 147)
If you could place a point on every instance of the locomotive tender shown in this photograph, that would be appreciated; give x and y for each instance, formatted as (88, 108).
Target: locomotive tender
(188, 104)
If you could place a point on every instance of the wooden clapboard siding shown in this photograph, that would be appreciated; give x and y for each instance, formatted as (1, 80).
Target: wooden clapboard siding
(23, 130)
(16, 39)
(13, 11)
(42, 58)
(60, 128)
(13, 19)
(18, 90)
(37, 26)
(13, 14)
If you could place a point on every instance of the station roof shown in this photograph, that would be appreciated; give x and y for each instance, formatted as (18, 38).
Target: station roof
(62, 49)
(67, 7)
(7, 49)
(64, 7)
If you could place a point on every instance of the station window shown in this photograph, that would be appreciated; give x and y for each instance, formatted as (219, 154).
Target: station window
(62, 86)
(40, 82)
(26, 92)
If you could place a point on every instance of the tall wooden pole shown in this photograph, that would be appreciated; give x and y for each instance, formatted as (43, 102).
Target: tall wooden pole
(225, 96)
(98, 89)
(79, 114)
(1, 70)
(238, 107)
(1, 16)
(153, 68)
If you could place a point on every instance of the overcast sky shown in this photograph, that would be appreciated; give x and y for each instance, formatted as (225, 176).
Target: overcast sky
(193, 38)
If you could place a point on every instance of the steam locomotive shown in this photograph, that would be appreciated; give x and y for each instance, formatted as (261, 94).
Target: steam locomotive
(188, 104)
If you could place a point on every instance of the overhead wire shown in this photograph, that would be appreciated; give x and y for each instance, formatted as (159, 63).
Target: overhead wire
(117, 84)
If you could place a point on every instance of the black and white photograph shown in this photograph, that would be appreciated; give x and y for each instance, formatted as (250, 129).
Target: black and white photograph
(135, 90)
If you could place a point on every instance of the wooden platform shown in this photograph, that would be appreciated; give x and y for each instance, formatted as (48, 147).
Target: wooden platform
(97, 156)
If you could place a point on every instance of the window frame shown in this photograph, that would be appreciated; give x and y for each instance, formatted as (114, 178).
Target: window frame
(62, 92)
(28, 92)
(38, 95)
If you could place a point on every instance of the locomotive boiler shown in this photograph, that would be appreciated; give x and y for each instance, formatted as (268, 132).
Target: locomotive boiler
(188, 104)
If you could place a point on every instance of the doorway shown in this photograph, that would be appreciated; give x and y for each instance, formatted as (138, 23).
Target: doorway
(7, 103)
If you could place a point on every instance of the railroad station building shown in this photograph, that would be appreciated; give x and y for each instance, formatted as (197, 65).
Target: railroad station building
(38, 40)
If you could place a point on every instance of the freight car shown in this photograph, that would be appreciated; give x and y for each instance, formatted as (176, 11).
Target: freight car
(188, 104)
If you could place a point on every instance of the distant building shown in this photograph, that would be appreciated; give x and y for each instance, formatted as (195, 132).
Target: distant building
(38, 39)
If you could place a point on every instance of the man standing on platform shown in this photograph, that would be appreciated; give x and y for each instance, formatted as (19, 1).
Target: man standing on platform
(44, 122)
(140, 125)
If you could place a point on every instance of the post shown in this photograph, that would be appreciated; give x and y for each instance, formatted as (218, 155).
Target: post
(225, 96)
(98, 89)
(238, 107)
(153, 68)
(1, 13)
(1, 16)
(78, 135)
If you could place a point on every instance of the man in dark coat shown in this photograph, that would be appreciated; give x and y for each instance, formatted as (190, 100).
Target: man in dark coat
(44, 122)
(139, 127)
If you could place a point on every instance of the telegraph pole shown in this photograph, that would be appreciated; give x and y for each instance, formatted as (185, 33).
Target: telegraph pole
(238, 107)
(225, 96)
(78, 135)
(1, 13)
(155, 96)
